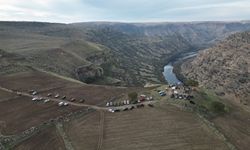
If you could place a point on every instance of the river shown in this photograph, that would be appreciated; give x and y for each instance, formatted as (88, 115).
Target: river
(168, 73)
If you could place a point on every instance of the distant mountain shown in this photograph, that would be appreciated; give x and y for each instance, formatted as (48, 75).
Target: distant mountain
(224, 67)
(106, 52)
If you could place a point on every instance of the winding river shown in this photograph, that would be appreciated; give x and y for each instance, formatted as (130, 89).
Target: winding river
(168, 73)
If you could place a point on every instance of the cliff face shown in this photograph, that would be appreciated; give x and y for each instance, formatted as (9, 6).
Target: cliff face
(224, 67)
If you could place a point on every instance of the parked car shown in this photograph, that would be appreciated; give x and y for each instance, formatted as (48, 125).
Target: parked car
(46, 101)
(34, 98)
(72, 99)
(34, 93)
(81, 100)
(60, 104)
(163, 94)
(57, 96)
(150, 105)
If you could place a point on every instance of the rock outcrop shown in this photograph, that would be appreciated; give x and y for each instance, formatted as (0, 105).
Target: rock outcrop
(89, 73)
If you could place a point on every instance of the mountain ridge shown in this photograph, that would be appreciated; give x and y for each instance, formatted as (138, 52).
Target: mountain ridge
(126, 52)
(224, 67)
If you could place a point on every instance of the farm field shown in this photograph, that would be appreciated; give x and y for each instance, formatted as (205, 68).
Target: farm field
(45, 83)
(236, 127)
(48, 139)
(27, 113)
(84, 132)
(159, 128)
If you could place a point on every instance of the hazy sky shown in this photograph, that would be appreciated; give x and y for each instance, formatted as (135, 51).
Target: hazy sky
(124, 10)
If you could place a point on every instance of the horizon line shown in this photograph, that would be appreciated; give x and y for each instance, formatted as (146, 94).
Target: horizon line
(128, 22)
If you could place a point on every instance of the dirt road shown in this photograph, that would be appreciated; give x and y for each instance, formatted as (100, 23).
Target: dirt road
(72, 103)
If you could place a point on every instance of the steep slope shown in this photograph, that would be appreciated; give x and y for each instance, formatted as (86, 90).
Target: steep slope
(106, 52)
(199, 34)
(8, 63)
(138, 57)
(62, 55)
(224, 67)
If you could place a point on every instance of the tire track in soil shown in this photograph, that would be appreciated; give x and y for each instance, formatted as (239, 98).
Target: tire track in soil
(101, 131)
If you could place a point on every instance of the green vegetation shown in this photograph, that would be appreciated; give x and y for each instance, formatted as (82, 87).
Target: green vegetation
(190, 82)
(133, 96)
(217, 107)
(209, 103)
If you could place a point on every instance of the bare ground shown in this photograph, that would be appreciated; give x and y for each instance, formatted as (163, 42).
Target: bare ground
(48, 139)
(164, 127)
(236, 127)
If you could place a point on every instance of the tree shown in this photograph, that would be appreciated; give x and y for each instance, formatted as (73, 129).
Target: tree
(133, 96)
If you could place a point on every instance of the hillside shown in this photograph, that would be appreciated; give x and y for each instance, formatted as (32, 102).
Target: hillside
(105, 52)
(224, 67)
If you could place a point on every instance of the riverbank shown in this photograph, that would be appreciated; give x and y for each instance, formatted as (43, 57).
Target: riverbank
(177, 69)
(172, 71)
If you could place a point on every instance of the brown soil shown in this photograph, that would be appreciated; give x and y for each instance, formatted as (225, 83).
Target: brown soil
(48, 139)
(236, 127)
(46, 83)
(84, 132)
(19, 114)
(159, 128)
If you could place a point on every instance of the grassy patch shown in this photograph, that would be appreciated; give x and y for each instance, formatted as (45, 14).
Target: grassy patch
(190, 82)
(209, 101)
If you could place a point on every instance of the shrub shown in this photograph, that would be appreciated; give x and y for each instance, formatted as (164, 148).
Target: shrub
(190, 82)
(133, 96)
(217, 107)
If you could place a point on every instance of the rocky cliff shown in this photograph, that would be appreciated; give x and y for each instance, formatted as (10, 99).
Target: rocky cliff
(224, 67)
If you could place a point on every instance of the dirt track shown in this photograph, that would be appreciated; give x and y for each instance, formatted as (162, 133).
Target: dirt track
(101, 131)
(55, 100)
(70, 103)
